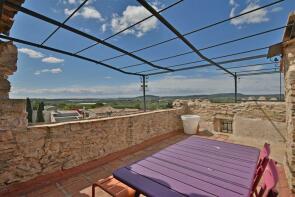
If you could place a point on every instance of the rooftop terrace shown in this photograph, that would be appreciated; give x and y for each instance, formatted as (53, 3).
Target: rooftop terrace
(78, 181)
(64, 159)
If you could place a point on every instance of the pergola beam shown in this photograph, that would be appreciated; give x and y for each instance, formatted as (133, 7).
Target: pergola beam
(129, 27)
(81, 33)
(192, 62)
(207, 65)
(208, 47)
(259, 73)
(199, 29)
(179, 35)
(68, 18)
(66, 53)
(257, 70)
(250, 65)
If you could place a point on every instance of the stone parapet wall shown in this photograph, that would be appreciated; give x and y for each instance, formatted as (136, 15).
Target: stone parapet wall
(39, 150)
(263, 110)
(263, 120)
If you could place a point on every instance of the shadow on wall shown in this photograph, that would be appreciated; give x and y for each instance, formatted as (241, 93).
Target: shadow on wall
(205, 133)
(271, 122)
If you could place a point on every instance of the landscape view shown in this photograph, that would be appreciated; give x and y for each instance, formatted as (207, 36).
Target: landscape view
(89, 108)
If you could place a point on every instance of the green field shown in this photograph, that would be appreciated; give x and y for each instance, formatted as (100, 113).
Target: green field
(131, 103)
(152, 102)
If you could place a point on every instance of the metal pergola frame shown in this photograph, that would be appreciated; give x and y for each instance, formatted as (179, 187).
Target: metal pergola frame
(160, 69)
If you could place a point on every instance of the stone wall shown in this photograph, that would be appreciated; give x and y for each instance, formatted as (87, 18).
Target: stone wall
(13, 114)
(39, 150)
(259, 120)
(8, 59)
(288, 62)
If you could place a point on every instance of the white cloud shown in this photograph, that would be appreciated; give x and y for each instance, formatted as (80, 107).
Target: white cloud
(108, 77)
(87, 12)
(35, 54)
(31, 53)
(232, 2)
(131, 15)
(255, 17)
(103, 27)
(85, 30)
(276, 9)
(169, 85)
(75, 2)
(72, 1)
(52, 60)
(52, 71)
(91, 12)
(69, 11)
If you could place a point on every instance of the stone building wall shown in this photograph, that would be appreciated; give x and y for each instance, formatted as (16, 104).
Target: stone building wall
(13, 114)
(262, 120)
(288, 62)
(39, 150)
(8, 59)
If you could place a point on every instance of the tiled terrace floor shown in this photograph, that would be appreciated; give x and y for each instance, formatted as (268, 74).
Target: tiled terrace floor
(80, 184)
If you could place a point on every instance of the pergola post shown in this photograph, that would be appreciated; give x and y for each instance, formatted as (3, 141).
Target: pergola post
(143, 91)
(236, 88)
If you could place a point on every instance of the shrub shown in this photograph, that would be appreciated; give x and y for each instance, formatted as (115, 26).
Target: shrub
(40, 117)
(29, 110)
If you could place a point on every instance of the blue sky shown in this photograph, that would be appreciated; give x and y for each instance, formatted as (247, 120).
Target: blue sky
(46, 74)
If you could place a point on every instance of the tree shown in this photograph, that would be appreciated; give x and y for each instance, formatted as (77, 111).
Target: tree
(40, 117)
(137, 106)
(99, 104)
(169, 105)
(29, 111)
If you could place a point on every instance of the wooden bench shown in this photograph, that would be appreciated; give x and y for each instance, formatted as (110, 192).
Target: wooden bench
(113, 187)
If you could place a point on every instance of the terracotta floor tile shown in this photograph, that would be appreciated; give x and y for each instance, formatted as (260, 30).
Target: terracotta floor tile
(72, 179)
(52, 193)
(129, 160)
(45, 191)
(74, 184)
(116, 164)
(76, 188)
(87, 192)
(97, 174)
(285, 193)
(136, 158)
(283, 182)
(142, 153)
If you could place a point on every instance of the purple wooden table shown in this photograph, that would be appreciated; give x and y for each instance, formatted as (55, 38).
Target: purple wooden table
(194, 167)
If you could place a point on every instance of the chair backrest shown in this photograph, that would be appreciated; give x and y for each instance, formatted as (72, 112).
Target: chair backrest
(271, 175)
(264, 153)
(270, 179)
(259, 173)
(261, 165)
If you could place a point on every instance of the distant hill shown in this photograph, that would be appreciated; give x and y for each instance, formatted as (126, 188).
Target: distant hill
(222, 97)
(148, 97)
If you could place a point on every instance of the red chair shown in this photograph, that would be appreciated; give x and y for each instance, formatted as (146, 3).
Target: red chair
(261, 166)
(264, 154)
(270, 179)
